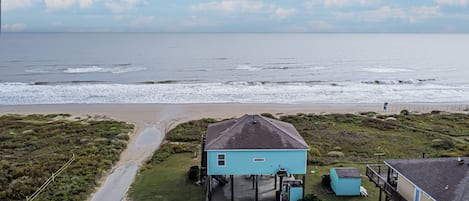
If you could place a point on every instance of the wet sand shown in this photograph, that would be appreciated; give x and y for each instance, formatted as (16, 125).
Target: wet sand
(153, 120)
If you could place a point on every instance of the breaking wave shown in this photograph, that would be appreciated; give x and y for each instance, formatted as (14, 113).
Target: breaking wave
(115, 69)
(386, 70)
(177, 92)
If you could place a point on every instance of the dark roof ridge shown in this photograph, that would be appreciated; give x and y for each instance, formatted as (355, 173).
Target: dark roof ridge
(281, 129)
(222, 133)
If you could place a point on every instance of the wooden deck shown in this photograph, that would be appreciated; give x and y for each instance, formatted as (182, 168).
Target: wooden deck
(378, 174)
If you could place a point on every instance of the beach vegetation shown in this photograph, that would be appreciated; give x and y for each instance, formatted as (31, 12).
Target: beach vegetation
(189, 132)
(33, 147)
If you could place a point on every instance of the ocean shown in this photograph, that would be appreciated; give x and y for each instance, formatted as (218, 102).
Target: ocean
(56, 68)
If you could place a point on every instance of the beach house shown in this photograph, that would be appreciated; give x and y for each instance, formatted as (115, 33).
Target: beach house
(254, 145)
(432, 179)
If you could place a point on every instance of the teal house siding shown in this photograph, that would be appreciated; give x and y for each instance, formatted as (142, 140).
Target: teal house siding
(345, 185)
(247, 162)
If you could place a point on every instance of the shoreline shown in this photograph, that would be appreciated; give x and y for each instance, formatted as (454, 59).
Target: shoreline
(152, 121)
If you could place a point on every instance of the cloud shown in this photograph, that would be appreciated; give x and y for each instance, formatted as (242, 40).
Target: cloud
(123, 5)
(17, 4)
(384, 13)
(65, 4)
(58, 4)
(18, 27)
(283, 13)
(462, 3)
(86, 3)
(230, 6)
(341, 3)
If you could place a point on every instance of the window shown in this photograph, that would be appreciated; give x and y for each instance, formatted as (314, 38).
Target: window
(258, 159)
(221, 159)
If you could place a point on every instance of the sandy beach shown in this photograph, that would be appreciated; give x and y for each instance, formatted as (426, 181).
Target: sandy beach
(153, 120)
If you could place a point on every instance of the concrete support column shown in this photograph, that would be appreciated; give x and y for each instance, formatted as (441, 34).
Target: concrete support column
(281, 180)
(257, 187)
(304, 185)
(253, 182)
(275, 182)
(232, 187)
(209, 188)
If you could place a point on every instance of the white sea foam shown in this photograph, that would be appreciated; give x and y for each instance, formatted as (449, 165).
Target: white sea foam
(88, 69)
(22, 93)
(248, 67)
(386, 70)
(91, 69)
(96, 69)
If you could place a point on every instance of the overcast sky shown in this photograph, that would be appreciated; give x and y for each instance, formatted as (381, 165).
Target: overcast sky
(235, 15)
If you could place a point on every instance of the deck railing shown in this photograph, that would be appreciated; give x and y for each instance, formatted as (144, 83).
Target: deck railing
(381, 182)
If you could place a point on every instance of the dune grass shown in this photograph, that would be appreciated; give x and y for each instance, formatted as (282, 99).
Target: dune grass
(33, 147)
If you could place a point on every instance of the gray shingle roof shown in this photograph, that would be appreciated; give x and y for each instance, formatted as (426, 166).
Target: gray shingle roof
(432, 175)
(253, 132)
(348, 173)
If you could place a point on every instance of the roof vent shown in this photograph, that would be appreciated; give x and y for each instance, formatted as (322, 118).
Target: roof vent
(254, 122)
(461, 161)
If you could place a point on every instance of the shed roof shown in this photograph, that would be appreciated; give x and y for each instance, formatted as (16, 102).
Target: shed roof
(444, 179)
(253, 132)
(348, 172)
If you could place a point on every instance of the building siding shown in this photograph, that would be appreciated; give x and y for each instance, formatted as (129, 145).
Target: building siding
(242, 162)
(423, 197)
(405, 188)
(344, 186)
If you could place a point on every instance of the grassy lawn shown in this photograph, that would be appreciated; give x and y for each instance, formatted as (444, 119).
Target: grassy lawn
(168, 181)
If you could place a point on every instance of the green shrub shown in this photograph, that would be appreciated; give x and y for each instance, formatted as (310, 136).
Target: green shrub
(337, 154)
(404, 112)
(313, 151)
(442, 144)
(268, 115)
(194, 173)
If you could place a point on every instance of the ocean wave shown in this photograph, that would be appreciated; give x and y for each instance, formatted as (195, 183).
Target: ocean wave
(12, 93)
(67, 82)
(116, 69)
(395, 82)
(248, 68)
(91, 69)
(15, 61)
(126, 64)
(96, 69)
(386, 70)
